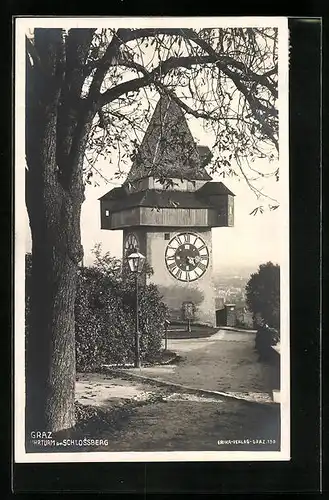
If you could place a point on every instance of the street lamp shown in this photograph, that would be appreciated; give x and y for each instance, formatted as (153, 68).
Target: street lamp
(136, 263)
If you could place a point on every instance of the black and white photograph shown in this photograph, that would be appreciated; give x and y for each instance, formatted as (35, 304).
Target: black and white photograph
(151, 239)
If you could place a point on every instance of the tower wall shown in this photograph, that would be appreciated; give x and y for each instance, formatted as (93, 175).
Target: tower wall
(175, 292)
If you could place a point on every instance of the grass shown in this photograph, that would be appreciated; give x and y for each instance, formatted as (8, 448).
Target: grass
(179, 331)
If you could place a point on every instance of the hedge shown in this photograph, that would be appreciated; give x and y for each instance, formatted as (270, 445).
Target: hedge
(105, 315)
(105, 320)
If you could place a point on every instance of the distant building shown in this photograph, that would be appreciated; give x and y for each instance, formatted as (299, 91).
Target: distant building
(219, 303)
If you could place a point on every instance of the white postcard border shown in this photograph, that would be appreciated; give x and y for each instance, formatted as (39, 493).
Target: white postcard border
(21, 26)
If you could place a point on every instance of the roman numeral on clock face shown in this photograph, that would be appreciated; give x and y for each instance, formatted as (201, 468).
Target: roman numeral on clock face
(192, 275)
(178, 273)
(198, 271)
(202, 266)
(179, 239)
(170, 257)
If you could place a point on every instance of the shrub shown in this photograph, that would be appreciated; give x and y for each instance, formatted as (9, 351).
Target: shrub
(263, 295)
(263, 299)
(106, 314)
(266, 337)
(99, 321)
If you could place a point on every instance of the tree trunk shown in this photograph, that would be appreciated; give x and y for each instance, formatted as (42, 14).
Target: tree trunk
(54, 209)
(57, 129)
(51, 344)
(50, 363)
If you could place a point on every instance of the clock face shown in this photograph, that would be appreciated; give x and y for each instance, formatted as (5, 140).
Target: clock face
(187, 257)
(131, 244)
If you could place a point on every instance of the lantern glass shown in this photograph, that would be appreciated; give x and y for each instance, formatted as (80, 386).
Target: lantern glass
(136, 262)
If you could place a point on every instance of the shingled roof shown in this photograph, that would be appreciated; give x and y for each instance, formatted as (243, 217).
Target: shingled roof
(160, 199)
(120, 199)
(213, 188)
(113, 195)
(168, 148)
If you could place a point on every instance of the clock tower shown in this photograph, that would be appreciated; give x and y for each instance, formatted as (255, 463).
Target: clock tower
(167, 208)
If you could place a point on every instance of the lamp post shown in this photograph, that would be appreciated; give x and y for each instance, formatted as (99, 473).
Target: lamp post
(136, 262)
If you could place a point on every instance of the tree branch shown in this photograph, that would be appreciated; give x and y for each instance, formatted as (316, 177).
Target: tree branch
(232, 62)
(175, 62)
(69, 112)
(120, 37)
(232, 68)
(71, 126)
(32, 52)
(78, 44)
(163, 68)
(149, 77)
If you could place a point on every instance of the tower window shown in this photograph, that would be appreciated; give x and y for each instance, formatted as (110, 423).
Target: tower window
(107, 213)
(167, 236)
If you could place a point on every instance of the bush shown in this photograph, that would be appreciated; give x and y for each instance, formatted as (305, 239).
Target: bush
(263, 300)
(266, 337)
(263, 295)
(106, 314)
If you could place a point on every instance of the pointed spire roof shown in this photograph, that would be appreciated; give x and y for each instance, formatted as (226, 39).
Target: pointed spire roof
(168, 148)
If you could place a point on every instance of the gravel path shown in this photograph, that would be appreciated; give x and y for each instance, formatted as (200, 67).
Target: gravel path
(217, 364)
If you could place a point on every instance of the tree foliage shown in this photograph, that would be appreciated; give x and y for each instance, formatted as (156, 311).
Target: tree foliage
(225, 77)
(263, 295)
(110, 81)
